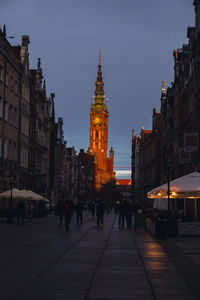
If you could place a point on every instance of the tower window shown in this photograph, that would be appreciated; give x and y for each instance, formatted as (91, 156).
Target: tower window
(97, 134)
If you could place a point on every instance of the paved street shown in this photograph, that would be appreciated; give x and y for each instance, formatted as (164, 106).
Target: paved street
(43, 261)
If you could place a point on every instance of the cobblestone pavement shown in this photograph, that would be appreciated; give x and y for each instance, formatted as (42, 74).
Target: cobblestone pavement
(43, 261)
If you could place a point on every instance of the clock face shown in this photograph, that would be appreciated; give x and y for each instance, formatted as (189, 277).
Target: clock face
(97, 121)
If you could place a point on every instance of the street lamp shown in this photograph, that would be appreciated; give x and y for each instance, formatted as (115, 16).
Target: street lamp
(169, 161)
(10, 212)
(168, 188)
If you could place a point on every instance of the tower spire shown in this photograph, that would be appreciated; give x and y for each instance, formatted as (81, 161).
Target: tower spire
(163, 87)
(99, 91)
(99, 58)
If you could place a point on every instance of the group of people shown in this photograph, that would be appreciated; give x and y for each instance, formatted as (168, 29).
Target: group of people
(23, 211)
(67, 208)
(127, 212)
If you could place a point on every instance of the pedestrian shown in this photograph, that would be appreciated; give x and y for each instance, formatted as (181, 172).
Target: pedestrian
(72, 207)
(91, 207)
(137, 212)
(119, 209)
(100, 209)
(61, 211)
(79, 212)
(67, 214)
(129, 215)
(29, 212)
(20, 212)
(122, 213)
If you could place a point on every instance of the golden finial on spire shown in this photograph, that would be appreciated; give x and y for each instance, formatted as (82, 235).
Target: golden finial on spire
(163, 87)
(99, 58)
(175, 54)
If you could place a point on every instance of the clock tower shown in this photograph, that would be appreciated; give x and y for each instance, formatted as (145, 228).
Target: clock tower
(99, 135)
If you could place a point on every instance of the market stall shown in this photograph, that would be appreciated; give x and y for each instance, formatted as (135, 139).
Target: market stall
(186, 189)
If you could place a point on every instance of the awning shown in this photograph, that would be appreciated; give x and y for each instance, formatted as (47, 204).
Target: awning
(16, 194)
(187, 186)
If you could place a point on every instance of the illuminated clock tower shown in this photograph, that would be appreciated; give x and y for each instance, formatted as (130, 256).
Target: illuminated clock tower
(99, 135)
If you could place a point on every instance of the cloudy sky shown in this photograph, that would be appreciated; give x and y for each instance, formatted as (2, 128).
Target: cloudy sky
(136, 39)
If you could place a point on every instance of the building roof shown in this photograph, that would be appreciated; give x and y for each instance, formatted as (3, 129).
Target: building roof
(147, 131)
(123, 182)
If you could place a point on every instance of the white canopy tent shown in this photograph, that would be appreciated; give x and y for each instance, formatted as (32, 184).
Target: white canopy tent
(185, 187)
(21, 194)
(16, 194)
(30, 195)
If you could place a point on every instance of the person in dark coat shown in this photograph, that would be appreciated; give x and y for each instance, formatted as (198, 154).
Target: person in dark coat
(128, 215)
(79, 212)
(119, 208)
(72, 207)
(91, 207)
(122, 213)
(100, 209)
(20, 212)
(67, 214)
(61, 211)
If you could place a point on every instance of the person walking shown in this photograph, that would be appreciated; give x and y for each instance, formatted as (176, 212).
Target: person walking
(67, 214)
(20, 212)
(79, 212)
(122, 213)
(128, 215)
(119, 208)
(61, 211)
(29, 212)
(100, 209)
(91, 207)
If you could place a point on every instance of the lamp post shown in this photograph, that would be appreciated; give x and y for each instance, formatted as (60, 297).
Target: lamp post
(169, 162)
(10, 212)
(168, 188)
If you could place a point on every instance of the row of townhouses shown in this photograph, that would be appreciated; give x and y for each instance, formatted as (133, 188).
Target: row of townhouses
(33, 152)
(171, 148)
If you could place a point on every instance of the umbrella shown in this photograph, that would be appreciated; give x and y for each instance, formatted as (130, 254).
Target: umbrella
(30, 195)
(16, 194)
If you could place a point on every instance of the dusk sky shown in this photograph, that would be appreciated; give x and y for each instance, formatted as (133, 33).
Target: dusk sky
(136, 39)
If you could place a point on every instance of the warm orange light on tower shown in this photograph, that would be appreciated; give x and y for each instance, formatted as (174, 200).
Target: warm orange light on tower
(99, 134)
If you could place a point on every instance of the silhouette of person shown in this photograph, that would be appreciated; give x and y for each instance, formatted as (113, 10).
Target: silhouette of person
(79, 212)
(100, 209)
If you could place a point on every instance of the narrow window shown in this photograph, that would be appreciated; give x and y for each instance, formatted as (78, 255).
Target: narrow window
(6, 111)
(15, 152)
(0, 146)
(10, 150)
(15, 118)
(16, 87)
(5, 148)
(1, 73)
(11, 83)
(11, 114)
(7, 79)
(1, 107)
